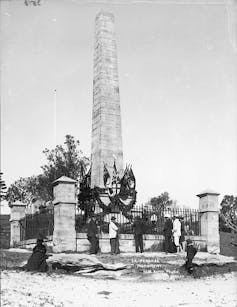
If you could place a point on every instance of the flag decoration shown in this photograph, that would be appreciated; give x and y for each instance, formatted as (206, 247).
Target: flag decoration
(131, 179)
(86, 180)
(106, 177)
(82, 171)
(121, 192)
(115, 177)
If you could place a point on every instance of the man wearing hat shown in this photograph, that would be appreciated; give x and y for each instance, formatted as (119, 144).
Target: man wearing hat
(191, 252)
(113, 236)
(92, 235)
(138, 228)
(168, 227)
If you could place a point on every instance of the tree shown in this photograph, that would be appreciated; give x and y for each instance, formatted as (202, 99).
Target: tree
(160, 202)
(228, 212)
(24, 189)
(62, 161)
(65, 161)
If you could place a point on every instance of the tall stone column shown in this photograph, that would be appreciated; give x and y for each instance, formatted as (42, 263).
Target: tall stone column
(17, 213)
(208, 206)
(64, 234)
(106, 117)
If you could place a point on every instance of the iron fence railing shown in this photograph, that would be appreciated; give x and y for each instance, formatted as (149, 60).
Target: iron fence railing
(42, 223)
(153, 220)
(38, 224)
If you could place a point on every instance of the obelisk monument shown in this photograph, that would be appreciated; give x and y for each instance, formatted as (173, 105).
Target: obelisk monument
(106, 116)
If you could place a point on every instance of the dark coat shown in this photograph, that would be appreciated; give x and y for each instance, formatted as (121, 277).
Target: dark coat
(182, 237)
(191, 252)
(138, 227)
(168, 227)
(37, 261)
(92, 229)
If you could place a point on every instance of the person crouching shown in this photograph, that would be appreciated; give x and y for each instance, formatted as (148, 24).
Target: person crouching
(191, 252)
(37, 261)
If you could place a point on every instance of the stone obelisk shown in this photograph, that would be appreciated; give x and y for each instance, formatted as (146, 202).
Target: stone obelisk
(106, 116)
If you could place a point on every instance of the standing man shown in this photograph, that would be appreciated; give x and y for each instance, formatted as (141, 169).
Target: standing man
(176, 232)
(168, 227)
(92, 235)
(113, 236)
(138, 227)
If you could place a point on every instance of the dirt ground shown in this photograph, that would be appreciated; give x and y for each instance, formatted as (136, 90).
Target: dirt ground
(38, 289)
(152, 278)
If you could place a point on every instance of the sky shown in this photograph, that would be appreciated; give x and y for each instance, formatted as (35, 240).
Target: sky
(177, 75)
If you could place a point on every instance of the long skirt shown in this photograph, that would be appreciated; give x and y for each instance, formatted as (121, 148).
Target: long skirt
(37, 262)
(176, 240)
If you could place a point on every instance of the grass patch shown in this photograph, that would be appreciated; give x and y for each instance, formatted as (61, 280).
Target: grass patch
(10, 259)
(226, 248)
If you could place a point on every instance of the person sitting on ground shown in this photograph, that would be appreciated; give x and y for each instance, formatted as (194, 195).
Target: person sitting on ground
(92, 235)
(191, 252)
(37, 261)
(138, 227)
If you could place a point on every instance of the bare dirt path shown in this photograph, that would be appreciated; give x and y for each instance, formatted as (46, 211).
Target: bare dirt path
(28, 289)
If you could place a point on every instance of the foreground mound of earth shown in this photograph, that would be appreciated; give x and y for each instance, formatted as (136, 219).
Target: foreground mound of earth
(130, 266)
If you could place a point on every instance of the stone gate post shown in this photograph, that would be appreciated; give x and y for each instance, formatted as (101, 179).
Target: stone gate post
(64, 234)
(17, 213)
(208, 206)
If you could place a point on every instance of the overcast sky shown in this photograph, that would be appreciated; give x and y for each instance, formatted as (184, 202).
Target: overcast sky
(177, 73)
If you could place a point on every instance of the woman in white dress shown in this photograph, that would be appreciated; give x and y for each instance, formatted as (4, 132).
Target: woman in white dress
(176, 232)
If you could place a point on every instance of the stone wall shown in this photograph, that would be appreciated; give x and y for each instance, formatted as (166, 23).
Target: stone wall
(127, 244)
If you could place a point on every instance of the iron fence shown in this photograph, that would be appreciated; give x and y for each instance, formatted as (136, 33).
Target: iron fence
(153, 220)
(38, 224)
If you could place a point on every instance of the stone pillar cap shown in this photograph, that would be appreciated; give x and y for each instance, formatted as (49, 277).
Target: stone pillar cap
(207, 192)
(17, 203)
(64, 179)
